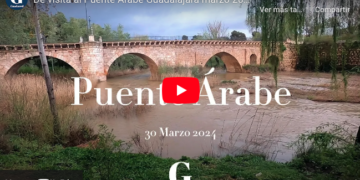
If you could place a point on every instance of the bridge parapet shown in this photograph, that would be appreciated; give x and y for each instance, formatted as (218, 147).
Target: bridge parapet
(35, 46)
(179, 42)
(50, 46)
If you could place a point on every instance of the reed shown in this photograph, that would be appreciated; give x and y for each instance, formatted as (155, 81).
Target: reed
(26, 111)
(253, 132)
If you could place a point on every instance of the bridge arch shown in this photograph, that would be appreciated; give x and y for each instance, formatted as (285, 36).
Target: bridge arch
(153, 66)
(14, 67)
(231, 63)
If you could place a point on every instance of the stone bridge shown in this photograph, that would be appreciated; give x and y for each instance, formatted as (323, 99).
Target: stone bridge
(92, 59)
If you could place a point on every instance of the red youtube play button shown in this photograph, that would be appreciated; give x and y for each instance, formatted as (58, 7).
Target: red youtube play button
(180, 90)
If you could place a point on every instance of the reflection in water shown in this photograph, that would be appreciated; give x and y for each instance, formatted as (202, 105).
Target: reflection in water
(263, 129)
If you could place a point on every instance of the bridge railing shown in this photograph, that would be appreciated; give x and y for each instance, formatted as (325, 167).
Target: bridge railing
(133, 38)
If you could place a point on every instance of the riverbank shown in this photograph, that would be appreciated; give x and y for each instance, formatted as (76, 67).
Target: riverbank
(112, 159)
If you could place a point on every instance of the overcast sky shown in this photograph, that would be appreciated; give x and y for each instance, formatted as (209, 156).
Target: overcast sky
(161, 19)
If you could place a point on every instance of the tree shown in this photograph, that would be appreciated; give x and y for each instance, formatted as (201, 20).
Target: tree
(236, 35)
(214, 61)
(184, 37)
(16, 29)
(120, 33)
(275, 27)
(256, 36)
(197, 37)
(45, 67)
(224, 38)
(128, 61)
(215, 30)
(140, 37)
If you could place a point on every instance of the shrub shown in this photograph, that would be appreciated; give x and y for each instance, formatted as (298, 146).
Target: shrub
(329, 151)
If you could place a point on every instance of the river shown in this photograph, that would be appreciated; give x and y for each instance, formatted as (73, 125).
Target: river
(238, 129)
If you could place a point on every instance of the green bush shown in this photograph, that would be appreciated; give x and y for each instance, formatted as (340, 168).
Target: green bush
(196, 71)
(329, 151)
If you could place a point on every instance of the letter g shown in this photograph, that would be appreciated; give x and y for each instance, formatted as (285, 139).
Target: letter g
(172, 172)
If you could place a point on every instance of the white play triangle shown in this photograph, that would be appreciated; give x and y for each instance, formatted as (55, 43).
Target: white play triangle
(179, 90)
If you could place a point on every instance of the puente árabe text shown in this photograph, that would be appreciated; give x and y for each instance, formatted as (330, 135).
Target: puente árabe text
(92, 59)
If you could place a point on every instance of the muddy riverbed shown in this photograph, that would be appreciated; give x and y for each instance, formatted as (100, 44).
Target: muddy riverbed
(238, 129)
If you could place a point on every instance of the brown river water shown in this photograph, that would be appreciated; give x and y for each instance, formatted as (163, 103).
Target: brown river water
(259, 129)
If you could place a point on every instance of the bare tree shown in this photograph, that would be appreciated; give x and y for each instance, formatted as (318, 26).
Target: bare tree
(45, 67)
(215, 30)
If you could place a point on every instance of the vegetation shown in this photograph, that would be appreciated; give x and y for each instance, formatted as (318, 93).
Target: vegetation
(330, 60)
(18, 30)
(179, 71)
(355, 70)
(256, 36)
(255, 68)
(128, 61)
(229, 81)
(195, 71)
(184, 37)
(216, 62)
(26, 113)
(329, 152)
(125, 64)
(25, 143)
(236, 35)
(215, 30)
(27, 126)
(112, 159)
(277, 27)
(57, 67)
(102, 163)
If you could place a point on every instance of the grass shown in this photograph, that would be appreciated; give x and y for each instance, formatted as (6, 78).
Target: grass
(102, 164)
(328, 155)
(111, 159)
